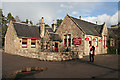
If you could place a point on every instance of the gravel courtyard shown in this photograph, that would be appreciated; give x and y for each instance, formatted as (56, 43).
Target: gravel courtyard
(105, 66)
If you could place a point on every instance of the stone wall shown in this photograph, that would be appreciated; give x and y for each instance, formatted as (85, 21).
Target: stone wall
(49, 56)
(10, 39)
(69, 27)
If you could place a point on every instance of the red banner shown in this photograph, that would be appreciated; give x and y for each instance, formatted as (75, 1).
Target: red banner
(94, 39)
(100, 40)
(87, 39)
(77, 41)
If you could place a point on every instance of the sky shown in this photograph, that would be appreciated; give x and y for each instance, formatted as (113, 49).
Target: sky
(89, 11)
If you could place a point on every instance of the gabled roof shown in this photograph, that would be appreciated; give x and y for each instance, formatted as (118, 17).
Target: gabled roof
(114, 32)
(55, 37)
(24, 30)
(88, 27)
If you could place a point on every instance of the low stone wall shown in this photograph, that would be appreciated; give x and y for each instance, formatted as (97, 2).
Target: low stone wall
(48, 56)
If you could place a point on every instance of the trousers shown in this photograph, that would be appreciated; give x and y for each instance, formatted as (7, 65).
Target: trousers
(91, 58)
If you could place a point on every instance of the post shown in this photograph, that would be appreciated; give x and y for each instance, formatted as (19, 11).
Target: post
(116, 51)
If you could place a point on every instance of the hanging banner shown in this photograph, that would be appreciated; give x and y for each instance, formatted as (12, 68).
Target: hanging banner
(87, 39)
(100, 40)
(77, 41)
(94, 39)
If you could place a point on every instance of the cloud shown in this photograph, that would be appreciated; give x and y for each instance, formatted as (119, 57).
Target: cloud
(110, 20)
(66, 6)
(52, 11)
(74, 12)
(60, 0)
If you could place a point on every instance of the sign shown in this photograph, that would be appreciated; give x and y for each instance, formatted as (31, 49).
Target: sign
(77, 41)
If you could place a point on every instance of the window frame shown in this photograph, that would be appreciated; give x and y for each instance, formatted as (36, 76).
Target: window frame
(35, 43)
(26, 43)
(90, 39)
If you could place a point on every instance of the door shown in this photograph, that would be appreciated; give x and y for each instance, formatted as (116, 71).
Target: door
(56, 47)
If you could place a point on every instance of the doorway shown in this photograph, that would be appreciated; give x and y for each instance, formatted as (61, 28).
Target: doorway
(56, 47)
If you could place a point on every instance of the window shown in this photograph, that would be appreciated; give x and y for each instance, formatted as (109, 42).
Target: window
(96, 42)
(33, 43)
(24, 43)
(69, 40)
(112, 42)
(90, 41)
(105, 42)
(65, 41)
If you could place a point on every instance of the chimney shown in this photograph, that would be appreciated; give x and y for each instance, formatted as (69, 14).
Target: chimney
(42, 28)
(80, 17)
(53, 26)
(96, 22)
(29, 23)
(42, 19)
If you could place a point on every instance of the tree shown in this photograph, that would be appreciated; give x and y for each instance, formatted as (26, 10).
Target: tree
(3, 25)
(31, 22)
(10, 17)
(59, 21)
(26, 21)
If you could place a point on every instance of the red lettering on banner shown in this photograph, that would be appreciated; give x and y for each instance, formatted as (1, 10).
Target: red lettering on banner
(77, 41)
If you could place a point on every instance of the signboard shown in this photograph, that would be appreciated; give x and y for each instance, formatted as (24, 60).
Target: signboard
(77, 41)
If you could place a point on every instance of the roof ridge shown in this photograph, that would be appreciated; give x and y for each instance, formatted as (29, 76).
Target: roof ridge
(84, 21)
(88, 24)
(26, 24)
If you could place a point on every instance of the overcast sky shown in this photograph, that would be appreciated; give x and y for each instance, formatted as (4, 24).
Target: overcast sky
(90, 11)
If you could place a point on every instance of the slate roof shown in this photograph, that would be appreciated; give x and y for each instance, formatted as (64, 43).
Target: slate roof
(49, 29)
(24, 30)
(114, 32)
(55, 37)
(88, 27)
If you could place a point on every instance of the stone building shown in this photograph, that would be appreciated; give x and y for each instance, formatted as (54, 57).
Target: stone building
(87, 34)
(51, 39)
(21, 36)
(114, 39)
(72, 35)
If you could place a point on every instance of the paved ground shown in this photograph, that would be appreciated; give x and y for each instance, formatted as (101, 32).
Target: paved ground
(105, 66)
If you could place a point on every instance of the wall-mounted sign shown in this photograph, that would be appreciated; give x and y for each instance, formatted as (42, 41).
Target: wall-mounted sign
(77, 41)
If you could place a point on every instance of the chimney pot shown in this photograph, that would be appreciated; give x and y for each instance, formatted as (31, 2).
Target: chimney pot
(80, 17)
(42, 19)
(53, 21)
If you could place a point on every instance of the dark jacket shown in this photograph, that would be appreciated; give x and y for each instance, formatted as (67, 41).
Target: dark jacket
(93, 48)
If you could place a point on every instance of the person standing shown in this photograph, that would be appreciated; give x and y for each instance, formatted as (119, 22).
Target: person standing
(92, 54)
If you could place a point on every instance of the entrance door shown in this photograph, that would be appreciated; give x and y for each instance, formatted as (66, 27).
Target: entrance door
(56, 47)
